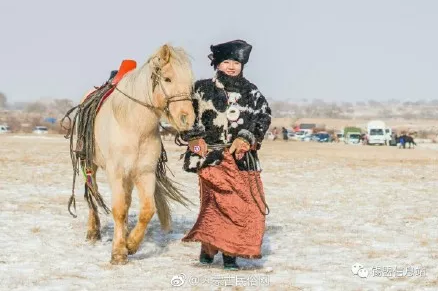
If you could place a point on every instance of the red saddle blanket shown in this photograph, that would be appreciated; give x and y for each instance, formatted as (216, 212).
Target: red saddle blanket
(103, 92)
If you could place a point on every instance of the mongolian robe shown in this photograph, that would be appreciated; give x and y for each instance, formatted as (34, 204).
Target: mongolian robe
(232, 211)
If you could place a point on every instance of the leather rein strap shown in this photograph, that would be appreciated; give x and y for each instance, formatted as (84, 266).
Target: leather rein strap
(157, 80)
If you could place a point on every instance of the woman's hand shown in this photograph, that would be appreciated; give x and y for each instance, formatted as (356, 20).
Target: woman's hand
(198, 146)
(240, 146)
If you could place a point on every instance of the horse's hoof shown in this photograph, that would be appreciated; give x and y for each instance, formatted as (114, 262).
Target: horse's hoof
(93, 235)
(132, 251)
(132, 247)
(119, 259)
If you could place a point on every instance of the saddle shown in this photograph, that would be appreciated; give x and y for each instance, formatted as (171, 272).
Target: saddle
(82, 154)
(101, 93)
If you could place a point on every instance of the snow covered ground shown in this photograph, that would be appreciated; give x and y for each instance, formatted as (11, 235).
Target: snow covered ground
(332, 206)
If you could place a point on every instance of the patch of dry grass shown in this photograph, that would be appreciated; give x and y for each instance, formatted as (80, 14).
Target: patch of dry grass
(35, 229)
(374, 254)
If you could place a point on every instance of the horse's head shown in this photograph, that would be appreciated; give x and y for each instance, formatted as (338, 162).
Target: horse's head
(172, 83)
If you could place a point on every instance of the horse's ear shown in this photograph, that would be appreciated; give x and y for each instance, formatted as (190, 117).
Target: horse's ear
(164, 54)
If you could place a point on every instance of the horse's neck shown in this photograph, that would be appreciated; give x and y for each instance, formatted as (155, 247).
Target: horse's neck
(130, 113)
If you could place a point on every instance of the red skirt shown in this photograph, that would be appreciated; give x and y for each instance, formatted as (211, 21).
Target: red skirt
(232, 211)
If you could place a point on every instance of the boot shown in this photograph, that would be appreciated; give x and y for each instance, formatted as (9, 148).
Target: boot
(230, 263)
(205, 258)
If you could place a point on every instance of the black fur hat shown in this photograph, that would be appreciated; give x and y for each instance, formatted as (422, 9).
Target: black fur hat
(238, 50)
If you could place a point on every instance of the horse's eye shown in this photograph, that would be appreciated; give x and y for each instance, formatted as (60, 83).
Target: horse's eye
(167, 80)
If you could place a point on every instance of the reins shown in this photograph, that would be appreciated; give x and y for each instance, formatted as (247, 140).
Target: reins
(138, 101)
(157, 80)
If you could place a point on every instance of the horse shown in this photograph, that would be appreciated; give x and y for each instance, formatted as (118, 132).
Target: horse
(128, 147)
(410, 140)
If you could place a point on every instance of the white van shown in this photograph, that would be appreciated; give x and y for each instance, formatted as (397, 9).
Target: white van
(40, 130)
(299, 135)
(4, 128)
(376, 132)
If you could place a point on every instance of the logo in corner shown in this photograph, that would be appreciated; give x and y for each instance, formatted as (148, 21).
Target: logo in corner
(178, 280)
(358, 269)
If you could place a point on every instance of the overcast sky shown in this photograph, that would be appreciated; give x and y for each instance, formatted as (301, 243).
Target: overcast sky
(332, 50)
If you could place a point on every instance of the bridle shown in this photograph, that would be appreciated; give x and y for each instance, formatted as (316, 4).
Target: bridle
(157, 79)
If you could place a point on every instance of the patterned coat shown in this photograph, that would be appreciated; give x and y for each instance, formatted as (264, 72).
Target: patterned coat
(226, 108)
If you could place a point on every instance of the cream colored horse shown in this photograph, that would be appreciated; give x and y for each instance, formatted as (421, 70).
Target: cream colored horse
(128, 144)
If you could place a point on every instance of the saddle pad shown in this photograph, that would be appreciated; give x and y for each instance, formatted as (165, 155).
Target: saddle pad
(104, 97)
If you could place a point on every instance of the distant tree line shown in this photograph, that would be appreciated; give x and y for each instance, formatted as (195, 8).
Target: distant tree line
(316, 108)
(319, 108)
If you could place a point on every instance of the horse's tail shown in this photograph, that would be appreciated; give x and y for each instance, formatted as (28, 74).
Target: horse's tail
(165, 189)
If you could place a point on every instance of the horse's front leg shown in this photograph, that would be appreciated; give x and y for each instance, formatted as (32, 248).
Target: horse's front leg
(121, 199)
(146, 187)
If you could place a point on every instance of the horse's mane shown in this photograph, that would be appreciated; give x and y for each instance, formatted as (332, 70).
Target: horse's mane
(138, 83)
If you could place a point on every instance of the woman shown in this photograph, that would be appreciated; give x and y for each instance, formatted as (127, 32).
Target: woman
(232, 117)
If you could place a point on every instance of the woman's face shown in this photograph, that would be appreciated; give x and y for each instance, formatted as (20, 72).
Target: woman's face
(230, 67)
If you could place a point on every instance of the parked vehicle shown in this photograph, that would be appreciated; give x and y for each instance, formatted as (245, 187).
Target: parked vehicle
(298, 135)
(290, 134)
(352, 135)
(5, 128)
(307, 138)
(307, 131)
(340, 136)
(376, 132)
(40, 130)
(352, 138)
(323, 137)
(314, 137)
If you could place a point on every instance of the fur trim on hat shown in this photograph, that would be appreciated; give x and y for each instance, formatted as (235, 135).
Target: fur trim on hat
(238, 50)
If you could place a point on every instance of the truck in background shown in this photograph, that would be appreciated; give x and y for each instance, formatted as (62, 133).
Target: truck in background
(352, 135)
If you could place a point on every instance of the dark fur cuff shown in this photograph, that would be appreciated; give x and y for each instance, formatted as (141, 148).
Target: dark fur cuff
(247, 135)
(198, 131)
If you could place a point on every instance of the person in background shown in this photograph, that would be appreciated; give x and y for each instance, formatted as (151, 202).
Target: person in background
(285, 132)
(402, 141)
(275, 133)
